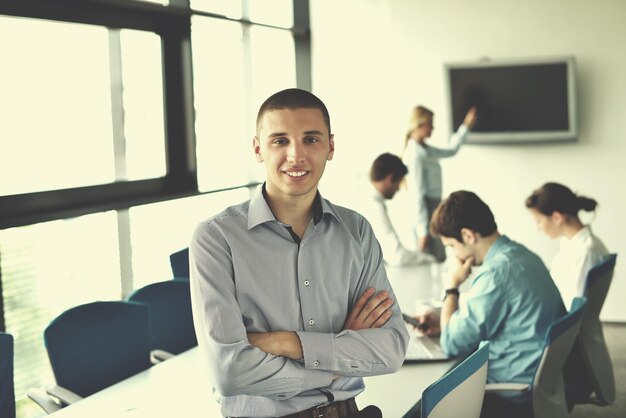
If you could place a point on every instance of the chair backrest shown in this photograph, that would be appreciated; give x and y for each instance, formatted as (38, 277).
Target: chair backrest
(171, 320)
(7, 391)
(594, 351)
(95, 345)
(597, 286)
(461, 391)
(180, 263)
(548, 392)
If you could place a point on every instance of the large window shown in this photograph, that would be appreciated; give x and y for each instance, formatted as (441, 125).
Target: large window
(235, 69)
(57, 129)
(122, 125)
(47, 268)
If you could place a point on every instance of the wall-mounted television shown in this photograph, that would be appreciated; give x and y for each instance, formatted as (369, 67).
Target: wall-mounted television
(522, 100)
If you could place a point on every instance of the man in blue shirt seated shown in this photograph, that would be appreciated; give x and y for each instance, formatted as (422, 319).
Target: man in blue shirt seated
(512, 300)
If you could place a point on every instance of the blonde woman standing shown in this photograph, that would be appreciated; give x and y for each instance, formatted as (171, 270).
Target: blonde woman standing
(424, 177)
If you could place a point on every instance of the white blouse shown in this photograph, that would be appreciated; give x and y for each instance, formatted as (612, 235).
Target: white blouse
(575, 258)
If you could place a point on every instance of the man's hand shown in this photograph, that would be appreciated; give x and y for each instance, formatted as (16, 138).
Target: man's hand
(451, 303)
(422, 242)
(280, 343)
(431, 323)
(370, 311)
(462, 272)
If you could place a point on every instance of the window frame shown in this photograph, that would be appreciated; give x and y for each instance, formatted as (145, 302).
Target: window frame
(173, 24)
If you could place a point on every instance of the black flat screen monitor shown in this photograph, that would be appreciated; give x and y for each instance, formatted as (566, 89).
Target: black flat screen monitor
(532, 100)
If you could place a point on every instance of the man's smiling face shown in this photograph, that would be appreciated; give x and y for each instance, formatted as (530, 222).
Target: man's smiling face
(294, 145)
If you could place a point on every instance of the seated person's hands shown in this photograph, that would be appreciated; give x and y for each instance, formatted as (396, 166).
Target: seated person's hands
(430, 319)
(422, 242)
(370, 311)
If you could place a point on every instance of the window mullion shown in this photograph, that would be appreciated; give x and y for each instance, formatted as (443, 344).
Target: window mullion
(119, 149)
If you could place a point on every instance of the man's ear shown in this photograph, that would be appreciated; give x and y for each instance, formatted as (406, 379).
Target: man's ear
(331, 144)
(257, 149)
(469, 236)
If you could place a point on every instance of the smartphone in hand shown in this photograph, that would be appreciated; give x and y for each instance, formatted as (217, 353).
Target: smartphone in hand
(417, 324)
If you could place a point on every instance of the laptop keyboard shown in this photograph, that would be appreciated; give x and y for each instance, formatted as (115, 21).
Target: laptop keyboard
(422, 347)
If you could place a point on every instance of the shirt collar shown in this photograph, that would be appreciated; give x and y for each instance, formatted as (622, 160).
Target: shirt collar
(377, 194)
(259, 211)
(582, 234)
(495, 247)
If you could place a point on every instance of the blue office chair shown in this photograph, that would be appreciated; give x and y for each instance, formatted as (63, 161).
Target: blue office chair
(598, 366)
(548, 388)
(171, 322)
(7, 391)
(461, 391)
(180, 264)
(93, 346)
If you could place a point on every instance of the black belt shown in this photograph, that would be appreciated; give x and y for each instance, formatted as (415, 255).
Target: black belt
(341, 409)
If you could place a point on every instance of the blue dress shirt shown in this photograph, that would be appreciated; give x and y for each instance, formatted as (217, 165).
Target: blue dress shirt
(511, 302)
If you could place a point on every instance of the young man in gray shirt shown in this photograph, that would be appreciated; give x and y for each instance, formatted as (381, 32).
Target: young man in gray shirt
(291, 302)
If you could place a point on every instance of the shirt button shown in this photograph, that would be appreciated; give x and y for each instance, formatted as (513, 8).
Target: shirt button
(317, 363)
(306, 282)
(311, 322)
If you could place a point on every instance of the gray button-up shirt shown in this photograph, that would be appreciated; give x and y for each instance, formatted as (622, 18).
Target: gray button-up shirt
(249, 275)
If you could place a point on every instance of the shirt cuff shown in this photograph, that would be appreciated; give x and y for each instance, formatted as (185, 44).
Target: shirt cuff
(318, 350)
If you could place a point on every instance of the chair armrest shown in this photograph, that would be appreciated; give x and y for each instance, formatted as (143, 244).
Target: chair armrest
(66, 396)
(506, 387)
(157, 356)
(41, 398)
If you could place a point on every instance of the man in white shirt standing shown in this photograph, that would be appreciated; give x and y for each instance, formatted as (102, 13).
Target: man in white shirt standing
(386, 175)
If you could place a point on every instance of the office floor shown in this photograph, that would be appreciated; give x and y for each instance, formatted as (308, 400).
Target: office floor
(615, 335)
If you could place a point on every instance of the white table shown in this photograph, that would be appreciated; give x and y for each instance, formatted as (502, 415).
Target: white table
(396, 393)
(180, 387)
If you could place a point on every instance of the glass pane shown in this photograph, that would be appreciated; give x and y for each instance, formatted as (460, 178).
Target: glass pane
(229, 8)
(224, 125)
(46, 269)
(56, 125)
(173, 223)
(272, 12)
(273, 69)
(273, 62)
(143, 105)
(55, 106)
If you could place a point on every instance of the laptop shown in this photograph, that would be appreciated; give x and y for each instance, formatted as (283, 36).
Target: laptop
(422, 348)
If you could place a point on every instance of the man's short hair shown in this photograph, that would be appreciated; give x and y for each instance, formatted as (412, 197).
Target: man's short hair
(292, 99)
(386, 164)
(460, 210)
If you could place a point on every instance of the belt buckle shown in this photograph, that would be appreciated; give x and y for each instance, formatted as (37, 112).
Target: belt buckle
(320, 414)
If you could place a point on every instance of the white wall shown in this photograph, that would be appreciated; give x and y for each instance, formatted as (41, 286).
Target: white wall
(375, 59)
